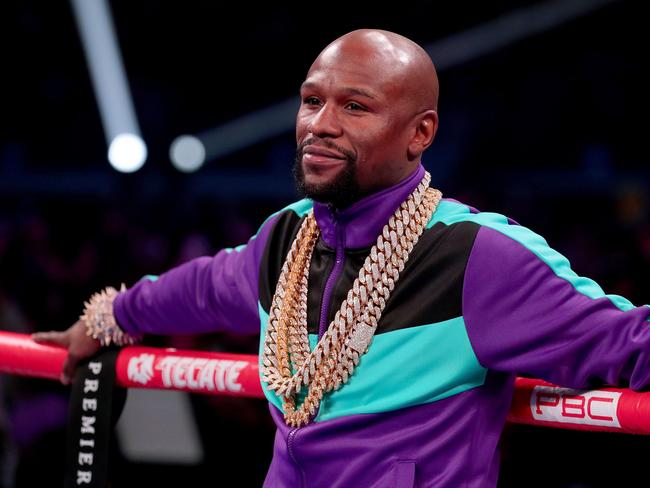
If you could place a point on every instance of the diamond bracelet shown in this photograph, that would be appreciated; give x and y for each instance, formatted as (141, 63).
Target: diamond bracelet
(100, 321)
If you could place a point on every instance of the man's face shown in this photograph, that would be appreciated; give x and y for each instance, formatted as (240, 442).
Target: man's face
(352, 127)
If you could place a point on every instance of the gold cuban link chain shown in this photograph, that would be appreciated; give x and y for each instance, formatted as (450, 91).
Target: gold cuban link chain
(287, 362)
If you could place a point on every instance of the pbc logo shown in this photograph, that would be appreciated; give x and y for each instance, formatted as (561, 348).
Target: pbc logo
(554, 404)
(140, 369)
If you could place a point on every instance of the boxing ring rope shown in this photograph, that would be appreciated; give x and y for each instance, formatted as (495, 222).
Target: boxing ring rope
(535, 402)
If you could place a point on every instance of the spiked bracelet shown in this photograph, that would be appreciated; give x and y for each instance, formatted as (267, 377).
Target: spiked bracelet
(100, 321)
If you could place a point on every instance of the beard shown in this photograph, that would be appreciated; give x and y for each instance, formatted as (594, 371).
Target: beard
(341, 191)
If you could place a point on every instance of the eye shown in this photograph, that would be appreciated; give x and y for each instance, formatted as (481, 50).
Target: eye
(311, 101)
(354, 106)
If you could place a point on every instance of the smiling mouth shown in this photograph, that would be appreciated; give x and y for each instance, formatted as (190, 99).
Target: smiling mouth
(316, 155)
(321, 152)
(322, 159)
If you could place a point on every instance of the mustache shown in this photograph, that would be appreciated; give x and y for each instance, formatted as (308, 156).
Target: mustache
(317, 141)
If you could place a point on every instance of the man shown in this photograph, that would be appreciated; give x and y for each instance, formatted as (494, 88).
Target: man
(392, 322)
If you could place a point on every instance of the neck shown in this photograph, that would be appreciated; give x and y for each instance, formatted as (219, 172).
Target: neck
(363, 220)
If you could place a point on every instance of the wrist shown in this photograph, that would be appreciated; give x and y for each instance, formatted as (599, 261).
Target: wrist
(100, 322)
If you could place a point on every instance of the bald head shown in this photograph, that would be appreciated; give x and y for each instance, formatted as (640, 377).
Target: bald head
(368, 112)
(395, 58)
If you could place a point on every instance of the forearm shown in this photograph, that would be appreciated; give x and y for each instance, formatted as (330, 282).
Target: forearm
(192, 298)
(528, 313)
(207, 294)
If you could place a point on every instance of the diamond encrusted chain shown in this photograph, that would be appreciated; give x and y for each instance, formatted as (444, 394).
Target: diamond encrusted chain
(287, 362)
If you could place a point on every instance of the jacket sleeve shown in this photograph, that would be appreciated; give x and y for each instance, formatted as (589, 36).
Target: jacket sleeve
(207, 294)
(527, 312)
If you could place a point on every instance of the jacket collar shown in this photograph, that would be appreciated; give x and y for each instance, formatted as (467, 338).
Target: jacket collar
(360, 224)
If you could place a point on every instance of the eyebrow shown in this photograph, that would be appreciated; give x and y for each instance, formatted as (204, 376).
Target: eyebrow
(348, 90)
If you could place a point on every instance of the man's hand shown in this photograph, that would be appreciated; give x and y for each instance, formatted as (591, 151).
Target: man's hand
(79, 345)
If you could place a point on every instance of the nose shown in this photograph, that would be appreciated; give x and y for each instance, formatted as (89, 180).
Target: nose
(325, 122)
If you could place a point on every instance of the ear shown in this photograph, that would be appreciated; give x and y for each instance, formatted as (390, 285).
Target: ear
(425, 130)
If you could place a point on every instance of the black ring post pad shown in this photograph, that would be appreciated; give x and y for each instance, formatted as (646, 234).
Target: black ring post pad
(95, 405)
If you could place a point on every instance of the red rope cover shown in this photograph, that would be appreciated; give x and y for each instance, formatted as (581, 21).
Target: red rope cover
(535, 402)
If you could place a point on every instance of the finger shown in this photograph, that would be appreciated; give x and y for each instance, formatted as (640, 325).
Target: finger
(53, 337)
(69, 367)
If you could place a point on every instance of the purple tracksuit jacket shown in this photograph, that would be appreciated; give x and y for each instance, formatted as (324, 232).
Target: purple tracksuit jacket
(480, 300)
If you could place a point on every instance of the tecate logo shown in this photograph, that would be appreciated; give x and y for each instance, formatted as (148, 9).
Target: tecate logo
(199, 374)
(564, 405)
(140, 368)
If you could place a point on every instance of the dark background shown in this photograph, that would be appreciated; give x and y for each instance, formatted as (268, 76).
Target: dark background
(550, 130)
